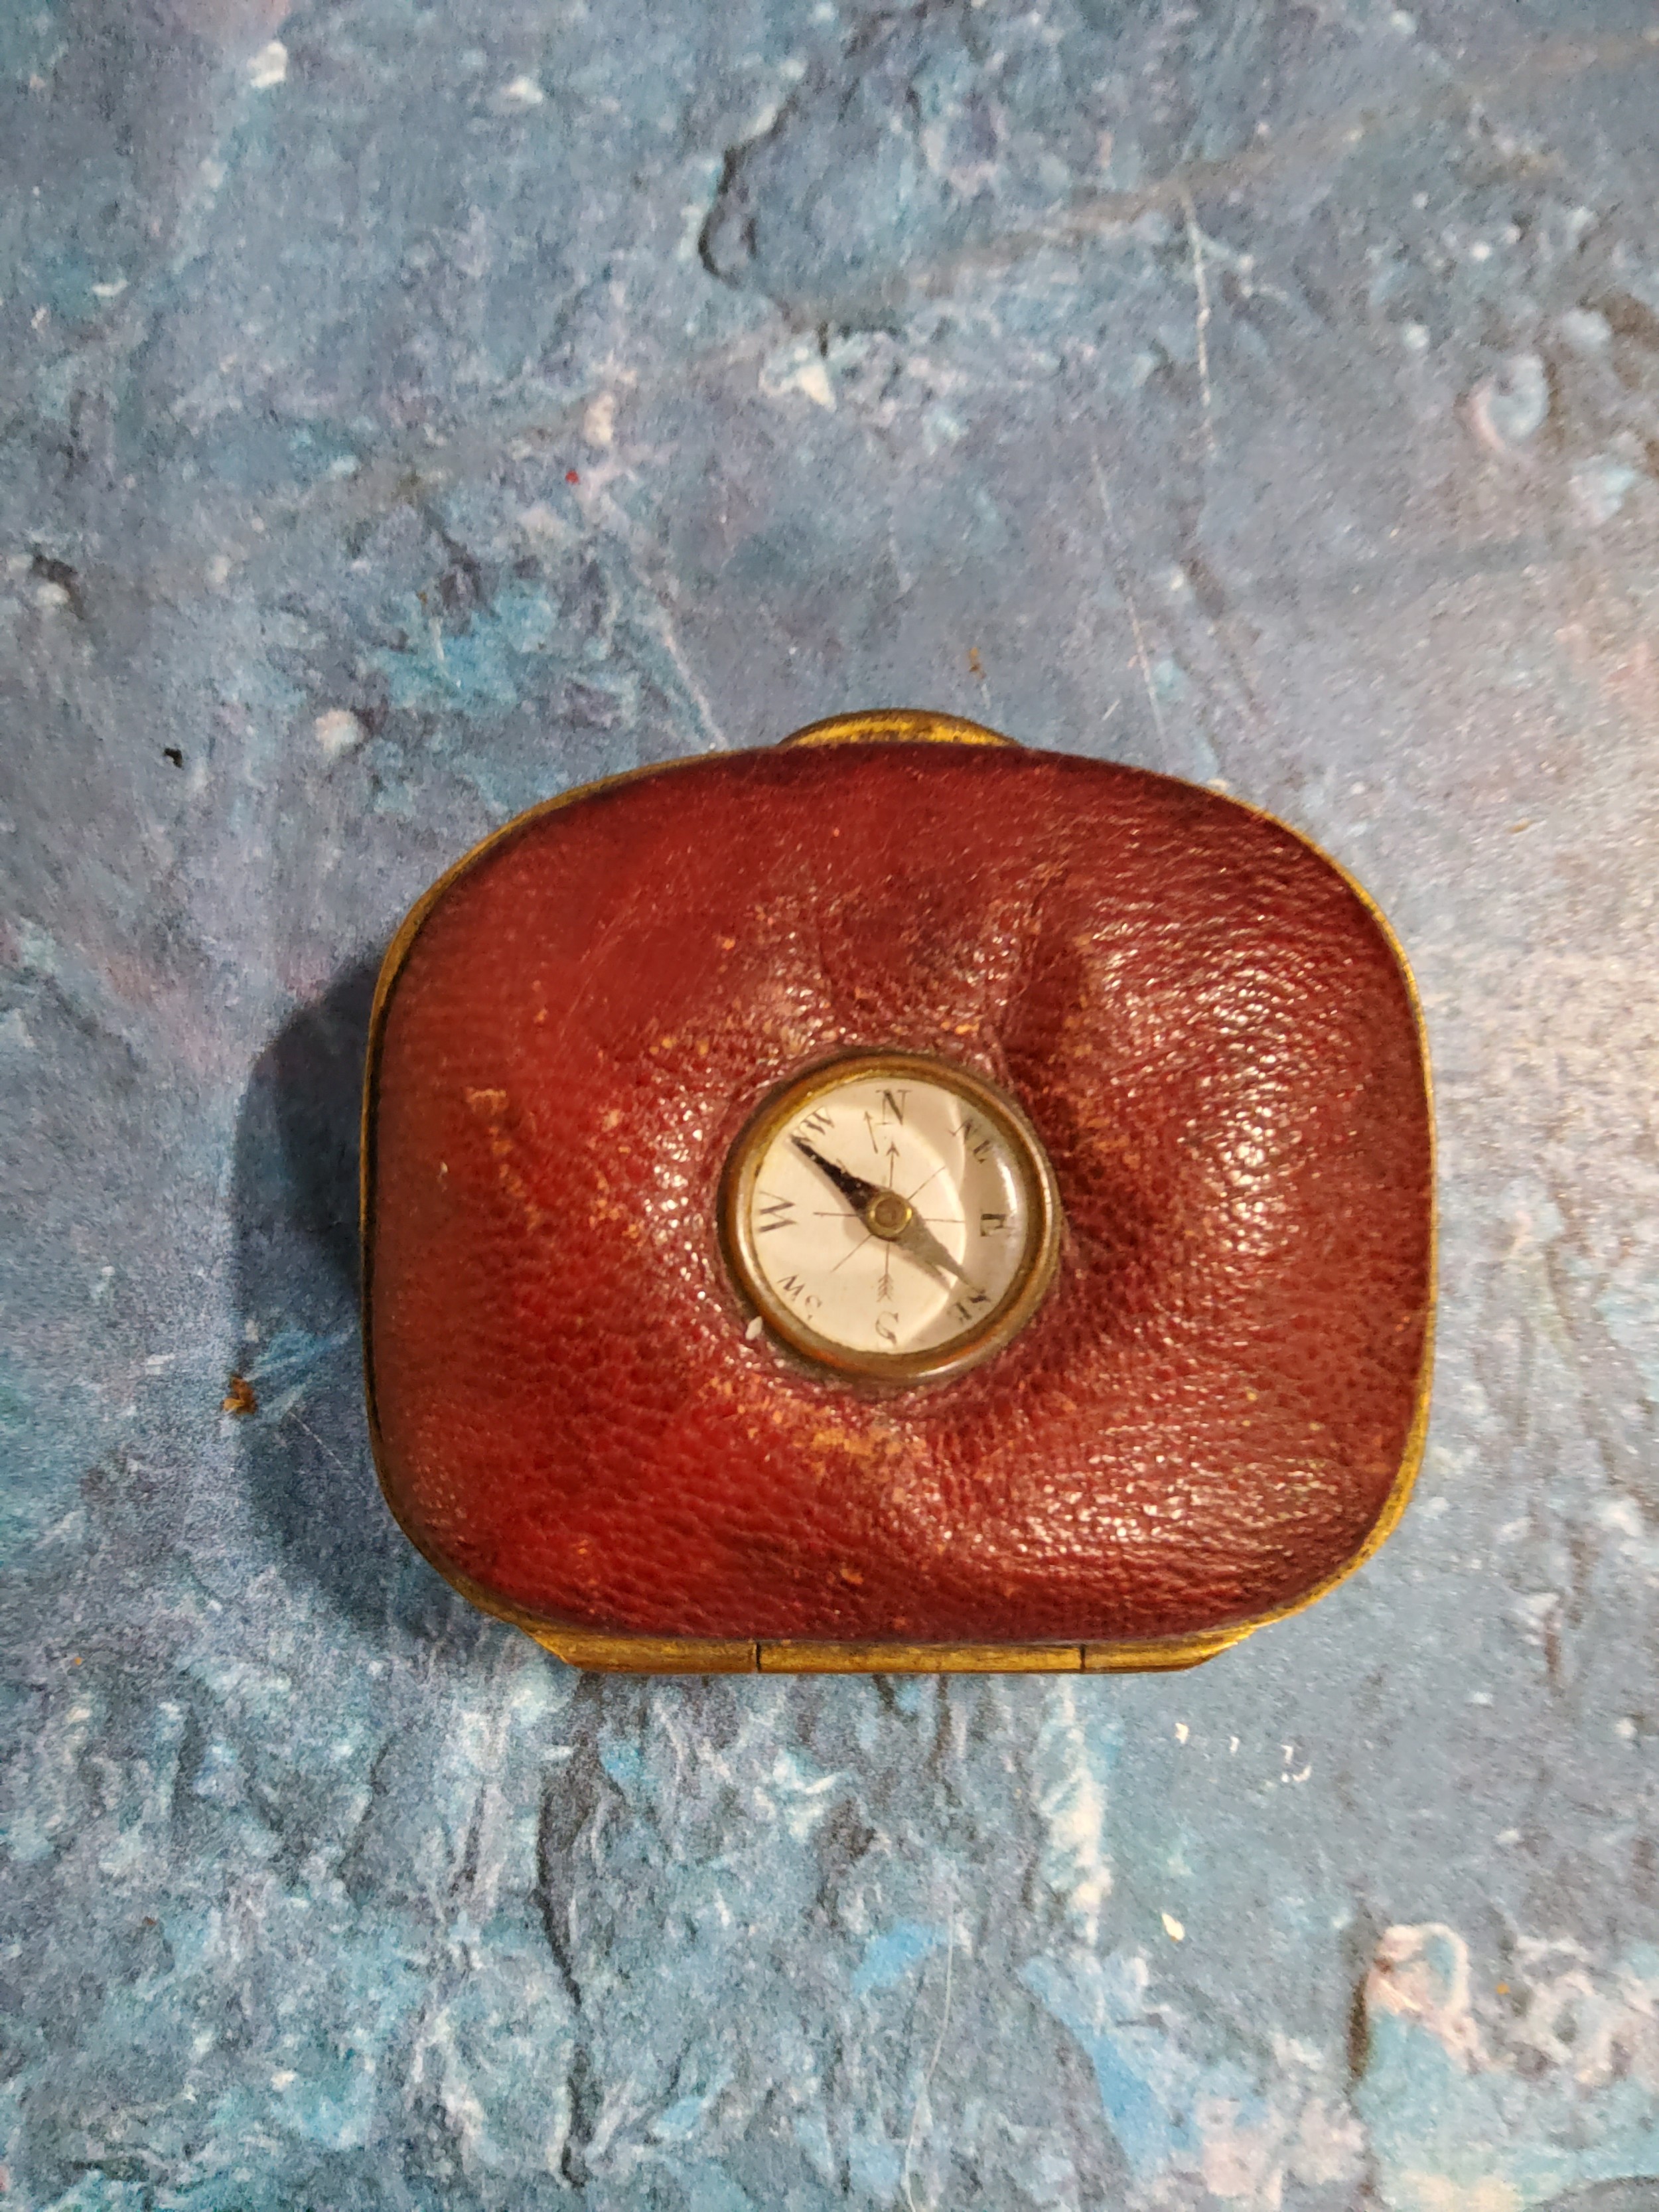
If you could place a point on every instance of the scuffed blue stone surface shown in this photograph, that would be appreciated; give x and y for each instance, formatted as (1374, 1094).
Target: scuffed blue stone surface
(407, 412)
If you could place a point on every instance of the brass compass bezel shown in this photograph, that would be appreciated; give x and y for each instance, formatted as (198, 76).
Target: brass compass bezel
(1033, 1273)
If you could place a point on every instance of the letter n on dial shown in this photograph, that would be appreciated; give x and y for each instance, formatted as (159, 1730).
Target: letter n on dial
(893, 1215)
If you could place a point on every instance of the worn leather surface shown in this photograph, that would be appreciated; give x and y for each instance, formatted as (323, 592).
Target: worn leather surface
(1209, 1029)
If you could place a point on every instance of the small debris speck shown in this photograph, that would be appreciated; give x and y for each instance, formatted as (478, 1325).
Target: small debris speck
(240, 1397)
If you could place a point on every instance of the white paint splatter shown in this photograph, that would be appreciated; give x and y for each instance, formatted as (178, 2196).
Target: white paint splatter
(1585, 330)
(1621, 1514)
(337, 731)
(599, 422)
(1073, 1806)
(1421, 1974)
(540, 520)
(799, 368)
(269, 66)
(1510, 407)
(1600, 486)
(804, 1796)
(1329, 2146)
(1240, 2163)
(1435, 2192)
(1601, 2034)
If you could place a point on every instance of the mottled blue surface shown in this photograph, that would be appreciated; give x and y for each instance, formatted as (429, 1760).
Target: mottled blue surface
(408, 412)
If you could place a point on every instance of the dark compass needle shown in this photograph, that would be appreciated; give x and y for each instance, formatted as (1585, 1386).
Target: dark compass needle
(853, 1188)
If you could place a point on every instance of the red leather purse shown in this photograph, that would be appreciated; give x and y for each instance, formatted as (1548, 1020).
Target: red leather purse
(895, 1201)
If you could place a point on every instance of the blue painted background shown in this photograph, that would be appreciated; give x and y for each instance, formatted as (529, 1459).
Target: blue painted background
(407, 412)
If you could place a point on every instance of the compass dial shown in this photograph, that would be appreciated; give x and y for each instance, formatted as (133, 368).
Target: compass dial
(891, 1215)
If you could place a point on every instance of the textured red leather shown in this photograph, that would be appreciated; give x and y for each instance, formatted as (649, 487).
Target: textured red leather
(1209, 1029)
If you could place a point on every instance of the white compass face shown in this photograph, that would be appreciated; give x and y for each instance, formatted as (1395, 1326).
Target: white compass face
(891, 1215)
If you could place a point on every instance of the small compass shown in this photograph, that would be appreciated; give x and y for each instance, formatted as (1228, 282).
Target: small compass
(891, 1215)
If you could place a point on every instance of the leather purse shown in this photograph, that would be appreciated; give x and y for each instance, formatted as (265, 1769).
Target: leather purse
(1110, 1345)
